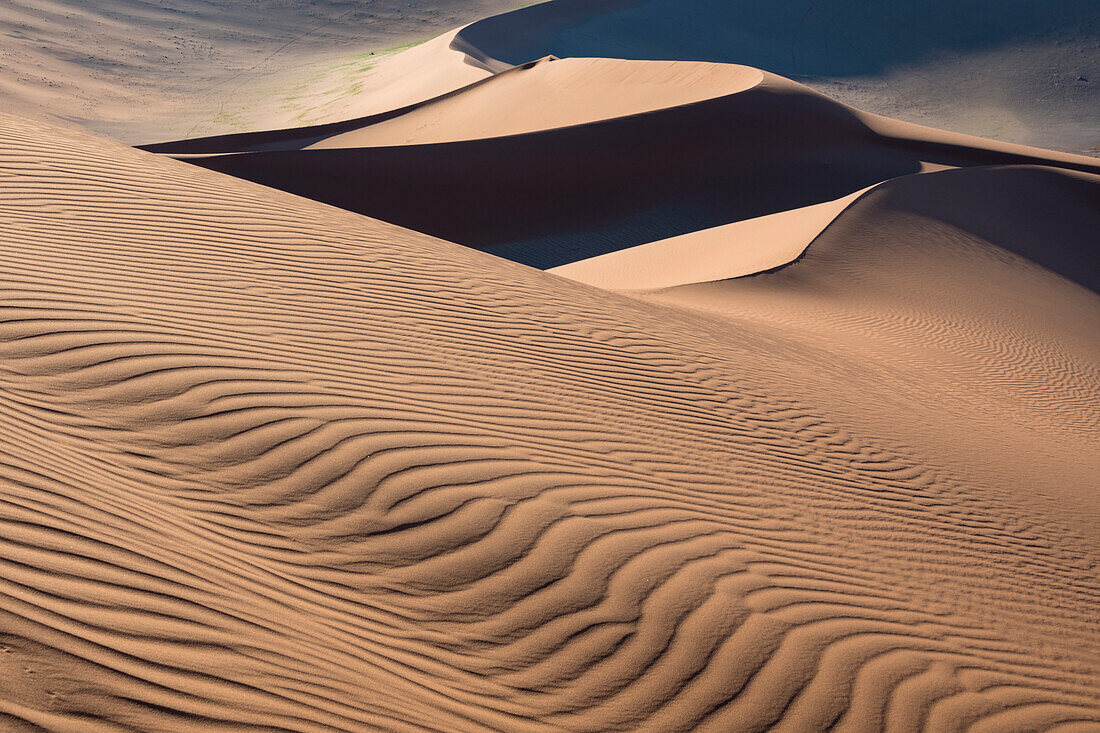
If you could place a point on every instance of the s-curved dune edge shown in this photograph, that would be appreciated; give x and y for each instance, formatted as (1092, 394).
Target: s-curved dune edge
(542, 95)
(269, 465)
(551, 94)
(734, 250)
(581, 157)
(976, 284)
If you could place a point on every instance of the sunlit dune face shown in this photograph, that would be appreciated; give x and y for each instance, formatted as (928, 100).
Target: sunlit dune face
(554, 93)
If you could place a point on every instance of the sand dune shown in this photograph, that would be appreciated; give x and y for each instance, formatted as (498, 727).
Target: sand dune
(943, 284)
(1043, 214)
(146, 70)
(546, 96)
(1014, 70)
(541, 180)
(423, 72)
(798, 432)
(269, 465)
(722, 253)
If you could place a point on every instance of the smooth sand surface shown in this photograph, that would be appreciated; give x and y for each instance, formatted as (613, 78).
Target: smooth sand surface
(550, 94)
(1016, 70)
(146, 70)
(734, 250)
(548, 164)
(269, 465)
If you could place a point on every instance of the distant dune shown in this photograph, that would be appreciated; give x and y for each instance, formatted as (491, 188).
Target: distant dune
(734, 250)
(1015, 70)
(581, 157)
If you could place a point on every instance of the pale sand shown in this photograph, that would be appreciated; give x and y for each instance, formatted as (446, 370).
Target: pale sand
(415, 75)
(268, 465)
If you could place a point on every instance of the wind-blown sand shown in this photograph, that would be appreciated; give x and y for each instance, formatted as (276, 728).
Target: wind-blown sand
(271, 465)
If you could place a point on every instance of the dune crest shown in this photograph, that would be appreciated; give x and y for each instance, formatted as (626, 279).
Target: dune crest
(145, 70)
(269, 465)
(738, 249)
(549, 94)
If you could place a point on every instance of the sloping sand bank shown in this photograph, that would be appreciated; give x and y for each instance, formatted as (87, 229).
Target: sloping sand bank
(269, 465)
(562, 174)
(734, 250)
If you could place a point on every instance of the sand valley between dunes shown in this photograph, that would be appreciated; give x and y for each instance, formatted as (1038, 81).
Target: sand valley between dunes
(532, 389)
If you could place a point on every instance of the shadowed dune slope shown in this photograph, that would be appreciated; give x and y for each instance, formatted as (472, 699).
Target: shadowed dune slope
(269, 465)
(546, 197)
(1016, 70)
(1045, 216)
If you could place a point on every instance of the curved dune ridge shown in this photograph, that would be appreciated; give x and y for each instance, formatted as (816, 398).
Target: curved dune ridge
(269, 465)
(540, 179)
(734, 250)
(945, 284)
(550, 94)
(1014, 70)
(1043, 214)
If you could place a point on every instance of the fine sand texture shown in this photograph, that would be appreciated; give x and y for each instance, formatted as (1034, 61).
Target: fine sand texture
(146, 70)
(1016, 70)
(944, 284)
(267, 465)
(581, 157)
